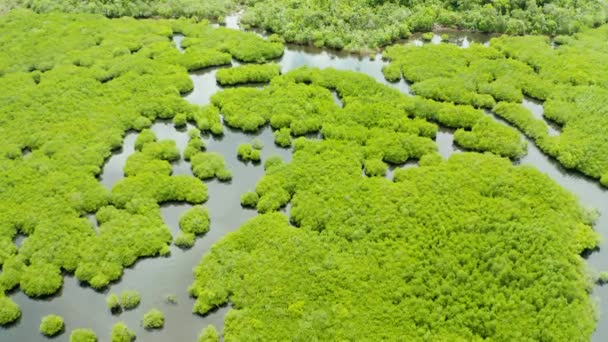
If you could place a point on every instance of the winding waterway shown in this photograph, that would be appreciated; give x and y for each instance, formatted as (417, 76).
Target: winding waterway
(158, 278)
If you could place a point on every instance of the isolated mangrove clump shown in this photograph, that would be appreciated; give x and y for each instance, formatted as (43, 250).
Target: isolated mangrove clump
(130, 299)
(122, 333)
(195, 220)
(51, 325)
(209, 334)
(83, 335)
(113, 302)
(246, 152)
(153, 319)
(207, 165)
(9, 310)
(185, 240)
(249, 199)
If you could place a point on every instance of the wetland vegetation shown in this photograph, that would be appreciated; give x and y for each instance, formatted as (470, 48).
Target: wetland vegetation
(362, 228)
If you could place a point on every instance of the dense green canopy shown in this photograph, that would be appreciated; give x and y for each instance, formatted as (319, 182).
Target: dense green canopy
(71, 86)
(572, 79)
(464, 249)
(358, 24)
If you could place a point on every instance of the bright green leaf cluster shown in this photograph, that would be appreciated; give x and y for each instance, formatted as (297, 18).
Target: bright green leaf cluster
(252, 73)
(51, 325)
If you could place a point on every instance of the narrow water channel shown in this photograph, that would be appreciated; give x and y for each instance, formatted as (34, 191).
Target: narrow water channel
(158, 278)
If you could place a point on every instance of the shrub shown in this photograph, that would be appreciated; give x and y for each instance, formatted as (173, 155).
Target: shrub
(282, 137)
(206, 165)
(51, 325)
(130, 299)
(427, 36)
(113, 302)
(246, 152)
(209, 334)
(9, 310)
(122, 333)
(153, 319)
(250, 199)
(272, 161)
(146, 136)
(195, 220)
(185, 240)
(375, 167)
(83, 335)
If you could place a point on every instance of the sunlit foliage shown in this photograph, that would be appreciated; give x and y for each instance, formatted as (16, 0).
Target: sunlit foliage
(83, 335)
(195, 220)
(71, 86)
(51, 325)
(463, 249)
(130, 299)
(392, 125)
(207, 165)
(9, 310)
(571, 79)
(246, 152)
(250, 199)
(251, 73)
(209, 334)
(153, 319)
(122, 333)
(113, 302)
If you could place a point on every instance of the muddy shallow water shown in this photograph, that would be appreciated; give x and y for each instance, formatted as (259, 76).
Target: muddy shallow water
(158, 278)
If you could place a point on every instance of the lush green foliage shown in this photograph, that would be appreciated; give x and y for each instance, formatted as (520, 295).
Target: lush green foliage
(185, 240)
(195, 220)
(463, 249)
(51, 325)
(250, 199)
(153, 319)
(113, 302)
(122, 333)
(195, 144)
(246, 152)
(361, 24)
(9, 310)
(71, 86)
(209, 334)
(145, 8)
(130, 299)
(571, 79)
(206, 165)
(391, 124)
(251, 73)
(83, 335)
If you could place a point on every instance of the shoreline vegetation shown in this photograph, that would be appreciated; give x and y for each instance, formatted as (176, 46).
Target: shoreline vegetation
(360, 25)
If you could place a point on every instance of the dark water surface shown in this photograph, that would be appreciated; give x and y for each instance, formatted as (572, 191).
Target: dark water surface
(158, 278)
